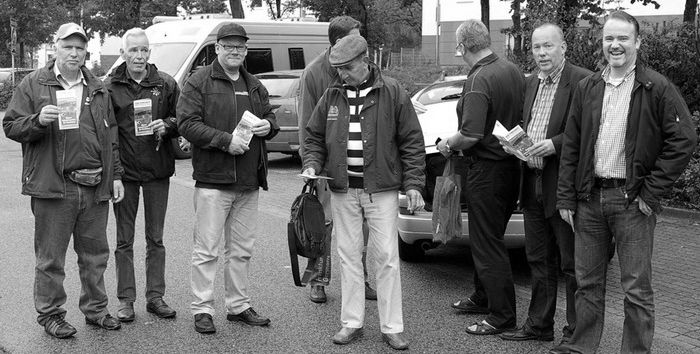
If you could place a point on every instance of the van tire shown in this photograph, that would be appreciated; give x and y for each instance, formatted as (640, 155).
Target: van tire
(410, 252)
(181, 153)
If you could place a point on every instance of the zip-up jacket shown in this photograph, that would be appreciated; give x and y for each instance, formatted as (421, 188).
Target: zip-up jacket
(659, 140)
(44, 147)
(392, 139)
(207, 115)
(139, 158)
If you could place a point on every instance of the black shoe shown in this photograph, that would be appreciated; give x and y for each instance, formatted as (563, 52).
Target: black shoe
(58, 327)
(526, 333)
(370, 294)
(347, 335)
(160, 308)
(203, 323)
(469, 306)
(106, 322)
(250, 317)
(562, 348)
(396, 340)
(317, 294)
(126, 312)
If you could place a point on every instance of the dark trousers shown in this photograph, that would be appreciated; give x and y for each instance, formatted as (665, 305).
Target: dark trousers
(55, 220)
(492, 194)
(545, 238)
(155, 203)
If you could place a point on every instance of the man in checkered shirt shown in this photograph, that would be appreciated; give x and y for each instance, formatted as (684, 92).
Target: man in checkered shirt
(548, 96)
(628, 138)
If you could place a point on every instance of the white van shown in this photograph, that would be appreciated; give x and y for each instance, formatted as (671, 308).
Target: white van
(180, 46)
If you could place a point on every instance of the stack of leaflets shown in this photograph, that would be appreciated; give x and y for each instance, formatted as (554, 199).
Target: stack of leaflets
(244, 129)
(516, 140)
(68, 106)
(143, 117)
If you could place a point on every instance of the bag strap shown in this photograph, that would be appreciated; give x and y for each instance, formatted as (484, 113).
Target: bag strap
(291, 235)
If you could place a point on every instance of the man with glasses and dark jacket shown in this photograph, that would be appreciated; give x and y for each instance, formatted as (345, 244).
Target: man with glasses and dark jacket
(229, 169)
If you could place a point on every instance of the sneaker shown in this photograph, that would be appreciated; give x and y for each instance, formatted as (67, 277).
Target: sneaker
(58, 327)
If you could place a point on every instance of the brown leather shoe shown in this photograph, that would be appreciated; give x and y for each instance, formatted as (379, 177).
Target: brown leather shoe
(107, 322)
(126, 312)
(395, 340)
(370, 294)
(250, 317)
(160, 308)
(347, 335)
(58, 327)
(203, 323)
(317, 294)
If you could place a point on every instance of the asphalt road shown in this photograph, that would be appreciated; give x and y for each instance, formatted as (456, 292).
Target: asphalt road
(298, 325)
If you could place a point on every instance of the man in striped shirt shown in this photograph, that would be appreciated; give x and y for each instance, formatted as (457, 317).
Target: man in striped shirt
(366, 134)
(628, 138)
(548, 96)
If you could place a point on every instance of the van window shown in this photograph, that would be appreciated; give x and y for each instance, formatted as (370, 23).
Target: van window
(169, 57)
(296, 58)
(259, 60)
(205, 57)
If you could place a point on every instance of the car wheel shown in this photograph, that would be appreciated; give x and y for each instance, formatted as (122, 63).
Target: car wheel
(181, 147)
(410, 252)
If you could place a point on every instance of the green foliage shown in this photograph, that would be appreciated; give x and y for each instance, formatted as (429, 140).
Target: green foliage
(686, 190)
(414, 78)
(8, 89)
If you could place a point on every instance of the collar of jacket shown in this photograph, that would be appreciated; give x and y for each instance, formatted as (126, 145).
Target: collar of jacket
(47, 77)
(483, 62)
(119, 75)
(218, 72)
(641, 77)
(373, 72)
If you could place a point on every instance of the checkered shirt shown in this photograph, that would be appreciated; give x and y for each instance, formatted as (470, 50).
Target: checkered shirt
(542, 110)
(610, 146)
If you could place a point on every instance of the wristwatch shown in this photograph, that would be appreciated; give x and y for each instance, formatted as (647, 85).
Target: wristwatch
(447, 145)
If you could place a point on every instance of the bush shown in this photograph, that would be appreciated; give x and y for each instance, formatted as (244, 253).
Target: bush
(8, 89)
(686, 191)
(413, 78)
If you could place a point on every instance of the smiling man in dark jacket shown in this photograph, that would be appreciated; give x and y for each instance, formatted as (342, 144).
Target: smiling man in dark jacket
(148, 161)
(628, 138)
(70, 168)
(229, 172)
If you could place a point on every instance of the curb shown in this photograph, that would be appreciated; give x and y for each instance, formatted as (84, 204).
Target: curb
(687, 214)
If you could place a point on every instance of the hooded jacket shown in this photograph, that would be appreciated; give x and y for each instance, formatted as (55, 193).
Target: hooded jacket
(44, 147)
(139, 158)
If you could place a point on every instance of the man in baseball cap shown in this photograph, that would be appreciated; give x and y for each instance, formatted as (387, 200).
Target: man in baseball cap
(68, 29)
(231, 29)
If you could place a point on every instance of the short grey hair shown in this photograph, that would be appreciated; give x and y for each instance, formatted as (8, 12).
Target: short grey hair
(474, 35)
(136, 32)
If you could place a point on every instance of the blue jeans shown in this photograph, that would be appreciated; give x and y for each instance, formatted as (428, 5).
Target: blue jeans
(155, 203)
(545, 238)
(597, 221)
(54, 222)
(235, 215)
(492, 193)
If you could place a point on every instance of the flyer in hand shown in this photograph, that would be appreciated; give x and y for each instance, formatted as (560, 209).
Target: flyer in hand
(516, 140)
(244, 129)
(68, 118)
(143, 117)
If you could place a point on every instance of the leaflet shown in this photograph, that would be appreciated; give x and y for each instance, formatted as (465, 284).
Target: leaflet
(143, 117)
(516, 140)
(244, 129)
(68, 107)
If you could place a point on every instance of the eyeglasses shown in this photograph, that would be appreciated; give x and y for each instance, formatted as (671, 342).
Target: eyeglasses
(230, 48)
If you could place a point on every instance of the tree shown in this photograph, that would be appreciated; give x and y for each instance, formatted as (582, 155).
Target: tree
(204, 6)
(486, 13)
(689, 12)
(236, 9)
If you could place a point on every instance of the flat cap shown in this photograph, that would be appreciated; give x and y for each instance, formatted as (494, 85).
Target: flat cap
(68, 29)
(231, 29)
(347, 49)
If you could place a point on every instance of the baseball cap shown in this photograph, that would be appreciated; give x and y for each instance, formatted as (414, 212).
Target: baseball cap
(68, 29)
(231, 29)
(347, 49)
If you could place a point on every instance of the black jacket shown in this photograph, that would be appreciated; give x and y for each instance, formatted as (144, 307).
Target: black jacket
(659, 140)
(207, 114)
(138, 154)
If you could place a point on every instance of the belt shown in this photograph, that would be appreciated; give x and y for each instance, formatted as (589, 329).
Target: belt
(609, 182)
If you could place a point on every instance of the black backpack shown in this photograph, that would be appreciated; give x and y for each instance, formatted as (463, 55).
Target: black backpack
(306, 230)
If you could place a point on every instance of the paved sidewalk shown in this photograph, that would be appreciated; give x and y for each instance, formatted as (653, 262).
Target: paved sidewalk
(676, 280)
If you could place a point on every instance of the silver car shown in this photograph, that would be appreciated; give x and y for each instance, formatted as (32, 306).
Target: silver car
(438, 118)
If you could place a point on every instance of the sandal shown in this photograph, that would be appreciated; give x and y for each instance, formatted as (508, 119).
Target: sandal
(469, 306)
(483, 328)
